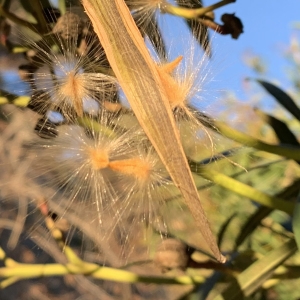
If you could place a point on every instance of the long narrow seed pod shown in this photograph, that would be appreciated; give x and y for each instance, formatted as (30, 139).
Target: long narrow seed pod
(142, 85)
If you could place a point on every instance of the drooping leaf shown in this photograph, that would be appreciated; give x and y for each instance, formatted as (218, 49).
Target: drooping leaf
(146, 22)
(221, 155)
(224, 228)
(282, 97)
(252, 223)
(242, 189)
(255, 219)
(36, 9)
(284, 134)
(254, 276)
(199, 32)
(288, 151)
(152, 30)
(296, 221)
(222, 128)
(28, 5)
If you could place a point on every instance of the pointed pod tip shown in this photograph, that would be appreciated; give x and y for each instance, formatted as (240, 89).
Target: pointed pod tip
(222, 259)
(169, 67)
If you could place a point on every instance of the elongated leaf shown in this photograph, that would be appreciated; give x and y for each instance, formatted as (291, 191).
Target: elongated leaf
(255, 219)
(254, 276)
(219, 156)
(146, 22)
(252, 223)
(222, 128)
(35, 7)
(282, 97)
(243, 189)
(224, 228)
(199, 32)
(152, 30)
(296, 222)
(284, 134)
(291, 152)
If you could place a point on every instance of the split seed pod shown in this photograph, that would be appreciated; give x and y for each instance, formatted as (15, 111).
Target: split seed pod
(139, 79)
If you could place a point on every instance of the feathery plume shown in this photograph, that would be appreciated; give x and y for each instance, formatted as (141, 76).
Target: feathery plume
(75, 163)
(67, 70)
(184, 80)
(112, 178)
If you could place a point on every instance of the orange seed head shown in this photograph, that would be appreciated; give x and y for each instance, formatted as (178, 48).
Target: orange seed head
(176, 93)
(99, 158)
(73, 88)
(133, 167)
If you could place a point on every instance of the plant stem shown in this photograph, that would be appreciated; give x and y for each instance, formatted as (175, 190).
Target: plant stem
(192, 13)
(26, 271)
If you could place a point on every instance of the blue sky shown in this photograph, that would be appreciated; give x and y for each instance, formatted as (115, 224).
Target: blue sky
(267, 31)
(268, 27)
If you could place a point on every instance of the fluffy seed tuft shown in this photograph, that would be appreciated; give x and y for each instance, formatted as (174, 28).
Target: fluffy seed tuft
(135, 167)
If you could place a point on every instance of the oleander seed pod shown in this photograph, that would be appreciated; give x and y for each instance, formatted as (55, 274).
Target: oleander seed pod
(171, 254)
(69, 26)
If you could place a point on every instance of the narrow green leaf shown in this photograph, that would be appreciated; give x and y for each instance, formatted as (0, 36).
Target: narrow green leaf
(152, 30)
(62, 6)
(35, 7)
(199, 32)
(224, 228)
(284, 134)
(254, 276)
(291, 152)
(243, 189)
(255, 219)
(252, 223)
(296, 221)
(220, 155)
(282, 97)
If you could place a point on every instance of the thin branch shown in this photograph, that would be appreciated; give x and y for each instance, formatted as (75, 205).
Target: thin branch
(192, 13)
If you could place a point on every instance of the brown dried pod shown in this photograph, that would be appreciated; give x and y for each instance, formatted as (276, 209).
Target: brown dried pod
(68, 26)
(171, 254)
(232, 25)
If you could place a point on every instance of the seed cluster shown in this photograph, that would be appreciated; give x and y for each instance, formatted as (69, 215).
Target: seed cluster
(89, 147)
